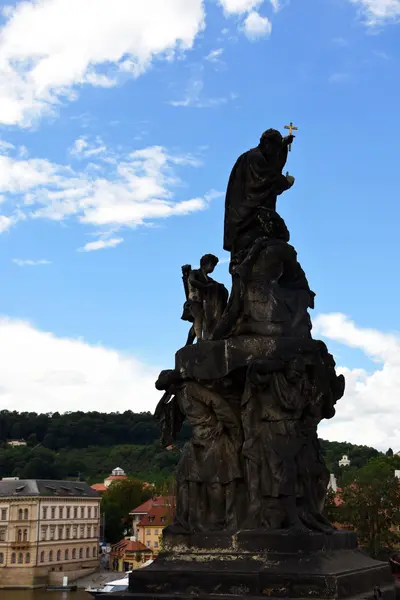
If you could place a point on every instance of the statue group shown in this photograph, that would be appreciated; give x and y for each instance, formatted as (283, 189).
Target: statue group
(255, 385)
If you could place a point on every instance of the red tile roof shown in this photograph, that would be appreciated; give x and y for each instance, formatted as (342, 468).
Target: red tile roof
(99, 487)
(144, 508)
(157, 516)
(128, 546)
(114, 477)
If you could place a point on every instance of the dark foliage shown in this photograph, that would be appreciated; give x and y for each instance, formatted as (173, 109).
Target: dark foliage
(89, 445)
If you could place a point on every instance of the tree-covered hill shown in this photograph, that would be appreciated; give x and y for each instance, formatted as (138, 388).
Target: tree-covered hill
(90, 445)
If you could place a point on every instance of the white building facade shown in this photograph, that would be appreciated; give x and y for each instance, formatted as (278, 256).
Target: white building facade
(47, 527)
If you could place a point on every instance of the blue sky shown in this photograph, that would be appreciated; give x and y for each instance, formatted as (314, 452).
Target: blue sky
(120, 122)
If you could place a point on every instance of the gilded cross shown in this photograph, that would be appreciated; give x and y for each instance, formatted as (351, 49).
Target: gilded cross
(291, 128)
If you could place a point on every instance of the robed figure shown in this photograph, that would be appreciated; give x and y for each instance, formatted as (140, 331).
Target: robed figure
(255, 183)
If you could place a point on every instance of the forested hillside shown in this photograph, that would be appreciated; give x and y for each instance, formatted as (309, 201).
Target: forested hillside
(90, 445)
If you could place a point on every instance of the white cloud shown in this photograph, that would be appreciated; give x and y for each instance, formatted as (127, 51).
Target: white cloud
(193, 96)
(50, 47)
(276, 4)
(5, 223)
(237, 7)
(120, 190)
(368, 413)
(378, 11)
(46, 373)
(256, 26)
(30, 263)
(215, 55)
(100, 244)
(83, 149)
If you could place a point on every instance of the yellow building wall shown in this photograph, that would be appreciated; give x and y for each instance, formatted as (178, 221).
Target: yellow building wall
(150, 536)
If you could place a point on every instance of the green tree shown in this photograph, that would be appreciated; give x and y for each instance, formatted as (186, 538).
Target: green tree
(371, 504)
(121, 497)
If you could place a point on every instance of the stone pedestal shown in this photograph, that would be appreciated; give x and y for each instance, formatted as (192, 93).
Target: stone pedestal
(253, 564)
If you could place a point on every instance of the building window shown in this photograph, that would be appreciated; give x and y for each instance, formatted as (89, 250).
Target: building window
(87, 552)
(20, 558)
(162, 519)
(89, 512)
(94, 552)
(4, 514)
(1, 558)
(148, 544)
(53, 512)
(67, 532)
(66, 555)
(52, 533)
(75, 512)
(82, 512)
(148, 531)
(61, 512)
(20, 514)
(80, 552)
(51, 556)
(89, 531)
(25, 535)
(19, 535)
(156, 532)
(74, 554)
(60, 533)
(26, 514)
(44, 533)
(95, 531)
(3, 531)
(58, 555)
(95, 512)
(82, 530)
(44, 512)
(42, 557)
(68, 512)
(75, 532)
(13, 558)
(28, 558)
(155, 544)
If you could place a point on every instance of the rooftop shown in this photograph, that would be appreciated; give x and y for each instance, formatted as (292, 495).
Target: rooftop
(158, 516)
(99, 487)
(129, 546)
(46, 487)
(144, 508)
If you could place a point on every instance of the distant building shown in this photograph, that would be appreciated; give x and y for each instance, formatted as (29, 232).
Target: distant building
(141, 511)
(129, 554)
(150, 526)
(344, 461)
(397, 474)
(117, 474)
(16, 443)
(47, 529)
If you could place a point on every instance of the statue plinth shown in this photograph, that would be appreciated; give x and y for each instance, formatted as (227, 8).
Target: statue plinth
(259, 564)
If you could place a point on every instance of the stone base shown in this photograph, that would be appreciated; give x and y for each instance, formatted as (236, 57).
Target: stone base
(259, 565)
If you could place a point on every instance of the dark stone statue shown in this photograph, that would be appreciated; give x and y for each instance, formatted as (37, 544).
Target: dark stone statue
(254, 459)
(206, 299)
(210, 463)
(254, 185)
(252, 481)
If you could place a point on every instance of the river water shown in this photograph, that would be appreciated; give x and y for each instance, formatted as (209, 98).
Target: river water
(42, 595)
